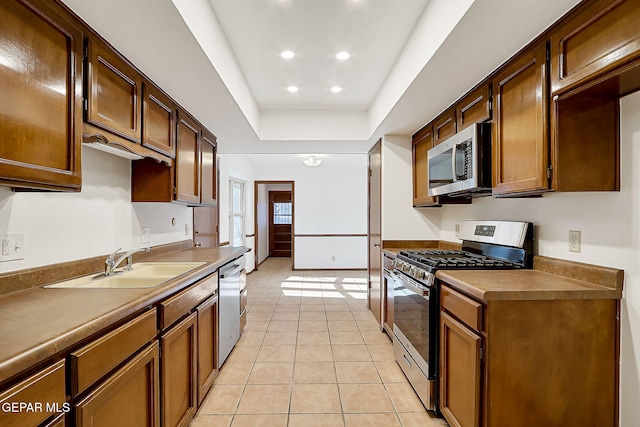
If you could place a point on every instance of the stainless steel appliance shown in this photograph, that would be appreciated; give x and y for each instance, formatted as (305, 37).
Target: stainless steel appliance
(461, 165)
(230, 278)
(416, 293)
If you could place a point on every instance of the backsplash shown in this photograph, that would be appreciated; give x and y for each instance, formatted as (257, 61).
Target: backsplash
(61, 227)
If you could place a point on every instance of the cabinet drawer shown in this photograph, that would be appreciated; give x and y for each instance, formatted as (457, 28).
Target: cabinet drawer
(178, 305)
(462, 307)
(47, 387)
(95, 360)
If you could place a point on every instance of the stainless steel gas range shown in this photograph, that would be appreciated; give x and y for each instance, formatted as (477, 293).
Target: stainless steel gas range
(416, 292)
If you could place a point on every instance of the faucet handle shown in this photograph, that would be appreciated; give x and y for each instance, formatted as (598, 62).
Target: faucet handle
(111, 259)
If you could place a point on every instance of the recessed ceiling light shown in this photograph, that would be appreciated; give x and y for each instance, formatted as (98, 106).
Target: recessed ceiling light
(293, 89)
(343, 56)
(287, 54)
(336, 89)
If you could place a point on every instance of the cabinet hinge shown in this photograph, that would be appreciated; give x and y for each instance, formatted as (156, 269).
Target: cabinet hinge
(370, 172)
(86, 105)
(85, 51)
(549, 171)
(481, 352)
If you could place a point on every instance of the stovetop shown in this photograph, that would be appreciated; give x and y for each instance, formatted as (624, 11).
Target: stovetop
(433, 259)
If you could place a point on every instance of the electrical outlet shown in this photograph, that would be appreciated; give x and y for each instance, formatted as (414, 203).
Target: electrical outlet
(146, 234)
(575, 238)
(457, 230)
(12, 247)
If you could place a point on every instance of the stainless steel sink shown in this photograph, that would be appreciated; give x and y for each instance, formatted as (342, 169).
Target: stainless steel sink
(143, 275)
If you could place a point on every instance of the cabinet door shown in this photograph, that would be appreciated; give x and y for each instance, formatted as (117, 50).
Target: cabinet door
(178, 371)
(159, 117)
(520, 125)
(127, 398)
(208, 169)
(207, 345)
(460, 373)
(41, 91)
(422, 143)
(598, 37)
(474, 108)
(188, 160)
(114, 91)
(444, 126)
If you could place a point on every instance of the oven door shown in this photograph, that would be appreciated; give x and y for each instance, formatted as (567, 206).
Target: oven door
(415, 321)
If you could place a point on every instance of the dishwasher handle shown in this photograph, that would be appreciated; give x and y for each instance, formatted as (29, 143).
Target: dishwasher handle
(231, 271)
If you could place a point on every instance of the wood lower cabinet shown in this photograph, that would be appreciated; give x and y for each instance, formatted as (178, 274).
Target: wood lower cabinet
(130, 397)
(207, 345)
(520, 125)
(597, 38)
(179, 369)
(41, 87)
(45, 388)
(460, 369)
(528, 362)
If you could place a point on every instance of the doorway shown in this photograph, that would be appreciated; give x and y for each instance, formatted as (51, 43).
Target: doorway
(274, 228)
(280, 221)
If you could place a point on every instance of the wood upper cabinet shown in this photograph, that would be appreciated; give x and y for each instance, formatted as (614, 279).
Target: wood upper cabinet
(130, 397)
(114, 92)
(475, 107)
(207, 345)
(208, 170)
(422, 142)
(44, 387)
(598, 37)
(520, 125)
(41, 91)
(179, 371)
(188, 159)
(444, 126)
(159, 118)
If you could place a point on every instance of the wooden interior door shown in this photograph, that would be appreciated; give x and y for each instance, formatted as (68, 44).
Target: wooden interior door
(280, 222)
(374, 269)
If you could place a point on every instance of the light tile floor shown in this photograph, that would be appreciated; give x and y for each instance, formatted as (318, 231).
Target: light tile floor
(311, 354)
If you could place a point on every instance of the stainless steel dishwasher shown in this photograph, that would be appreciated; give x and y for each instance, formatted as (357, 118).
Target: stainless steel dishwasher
(230, 276)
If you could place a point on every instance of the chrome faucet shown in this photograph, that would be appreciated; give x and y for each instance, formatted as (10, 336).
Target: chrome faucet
(111, 263)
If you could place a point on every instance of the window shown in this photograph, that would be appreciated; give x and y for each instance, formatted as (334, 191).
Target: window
(282, 213)
(236, 212)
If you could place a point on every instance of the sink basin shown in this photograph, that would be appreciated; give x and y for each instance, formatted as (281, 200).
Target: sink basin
(146, 269)
(143, 275)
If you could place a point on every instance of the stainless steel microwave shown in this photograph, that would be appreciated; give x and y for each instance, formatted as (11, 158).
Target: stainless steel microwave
(461, 165)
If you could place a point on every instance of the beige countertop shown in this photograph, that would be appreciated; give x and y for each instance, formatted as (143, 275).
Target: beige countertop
(38, 324)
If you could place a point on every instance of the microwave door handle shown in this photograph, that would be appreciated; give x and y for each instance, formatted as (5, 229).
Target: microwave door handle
(454, 166)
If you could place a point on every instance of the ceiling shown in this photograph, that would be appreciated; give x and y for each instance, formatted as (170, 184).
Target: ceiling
(220, 59)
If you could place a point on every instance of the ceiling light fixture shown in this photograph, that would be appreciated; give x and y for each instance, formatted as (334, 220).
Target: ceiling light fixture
(287, 54)
(293, 89)
(343, 56)
(312, 160)
(336, 89)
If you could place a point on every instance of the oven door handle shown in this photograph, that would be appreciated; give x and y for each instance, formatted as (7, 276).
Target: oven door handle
(424, 293)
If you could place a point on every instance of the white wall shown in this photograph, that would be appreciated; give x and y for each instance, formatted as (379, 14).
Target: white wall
(400, 221)
(61, 227)
(610, 225)
(329, 199)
